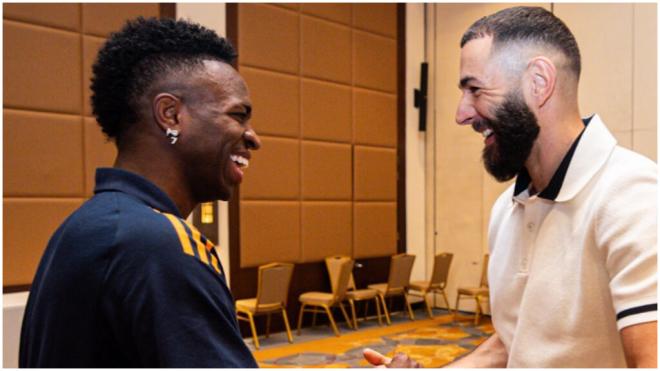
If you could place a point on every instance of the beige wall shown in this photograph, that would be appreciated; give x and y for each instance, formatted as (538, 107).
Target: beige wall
(323, 83)
(618, 43)
(51, 144)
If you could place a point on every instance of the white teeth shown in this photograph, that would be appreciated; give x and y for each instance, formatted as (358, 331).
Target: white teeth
(486, 133)
(240, 161)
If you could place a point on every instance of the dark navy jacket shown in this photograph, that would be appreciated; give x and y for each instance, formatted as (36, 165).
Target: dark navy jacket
(126, 282)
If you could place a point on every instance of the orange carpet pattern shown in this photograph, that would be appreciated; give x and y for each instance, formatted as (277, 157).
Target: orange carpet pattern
(431, 342)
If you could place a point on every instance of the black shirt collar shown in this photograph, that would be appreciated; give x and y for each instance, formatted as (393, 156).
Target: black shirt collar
(118, 180)
(552, 190)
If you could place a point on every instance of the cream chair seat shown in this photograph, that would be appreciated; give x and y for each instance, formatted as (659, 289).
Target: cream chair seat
(317, 298)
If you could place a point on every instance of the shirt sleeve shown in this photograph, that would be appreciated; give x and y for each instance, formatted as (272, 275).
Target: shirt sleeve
(627, 230)
(168, 308)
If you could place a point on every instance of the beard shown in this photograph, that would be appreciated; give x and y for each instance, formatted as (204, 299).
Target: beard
(515, 128)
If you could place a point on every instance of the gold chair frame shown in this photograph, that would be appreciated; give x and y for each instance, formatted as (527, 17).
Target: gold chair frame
(353, 294)
(478, 293)
(438, 282)
(268, 302)
(397, 283)
(328, 300)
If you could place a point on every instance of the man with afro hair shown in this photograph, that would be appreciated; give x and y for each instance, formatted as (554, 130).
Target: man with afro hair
(125, 281)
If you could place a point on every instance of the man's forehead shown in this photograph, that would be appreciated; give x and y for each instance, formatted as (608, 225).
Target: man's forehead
(222, 80)
(475, 57)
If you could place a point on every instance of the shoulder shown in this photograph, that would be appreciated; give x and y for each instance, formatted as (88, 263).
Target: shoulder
(626, 167)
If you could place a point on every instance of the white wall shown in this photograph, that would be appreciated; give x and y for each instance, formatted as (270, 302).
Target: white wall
(415, 148)
(13, 307)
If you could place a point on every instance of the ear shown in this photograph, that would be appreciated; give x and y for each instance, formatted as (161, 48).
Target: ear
(543, 76)
(166, 109)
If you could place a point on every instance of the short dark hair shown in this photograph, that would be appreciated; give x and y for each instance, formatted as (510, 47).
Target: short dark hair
(526, 23)
(134, 58)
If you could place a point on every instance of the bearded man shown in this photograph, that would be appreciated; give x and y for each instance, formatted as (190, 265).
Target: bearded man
(125, 281)
(572, 271)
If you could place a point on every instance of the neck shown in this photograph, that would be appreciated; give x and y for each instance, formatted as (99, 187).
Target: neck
(158, 166)
(554, 140)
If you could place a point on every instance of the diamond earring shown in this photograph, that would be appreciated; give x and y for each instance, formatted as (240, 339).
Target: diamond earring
(172, 134)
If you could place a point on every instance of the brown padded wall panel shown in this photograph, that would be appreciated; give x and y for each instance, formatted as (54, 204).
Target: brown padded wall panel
(99, 152)
(42, 154)
(374, 229)
(326, 171)
(101, 19)
(326, 50)
(326, 230)
(326, 111)
(66, 16)
(375, 118)
(274, 171)
(270, 231)
(334, 12)
(276, 102)
(375, 61)
(268, 37)
(28, 225)
(43, 69)
(378, 18)
(91, 46)
(375, 174)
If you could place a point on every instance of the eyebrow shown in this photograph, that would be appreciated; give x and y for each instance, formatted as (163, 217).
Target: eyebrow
(466, 80)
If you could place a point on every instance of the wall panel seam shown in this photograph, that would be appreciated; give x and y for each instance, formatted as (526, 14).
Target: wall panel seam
(300, 134)
(318, 18)
(81, 60)
(43, 27)
(374, 33)
(363, 87)
(269, 69)
(305, 140)
(38, 110)
(35, 111)
(274, 6)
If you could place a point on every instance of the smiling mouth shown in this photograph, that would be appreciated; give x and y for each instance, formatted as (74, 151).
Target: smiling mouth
(240, 161)
(487, 133)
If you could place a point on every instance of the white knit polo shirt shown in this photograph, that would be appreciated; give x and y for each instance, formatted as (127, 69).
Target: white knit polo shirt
(570, 267)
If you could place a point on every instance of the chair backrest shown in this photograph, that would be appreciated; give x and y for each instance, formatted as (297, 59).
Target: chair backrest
(484, 272)
(334, 263)
(340, 270)
(274, 280)
(400, 270)
(441, 266)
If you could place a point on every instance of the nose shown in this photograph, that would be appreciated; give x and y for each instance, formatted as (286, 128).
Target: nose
(252, 140)
(465, 112)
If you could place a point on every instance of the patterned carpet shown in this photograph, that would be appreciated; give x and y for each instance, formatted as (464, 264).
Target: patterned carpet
(431, 342)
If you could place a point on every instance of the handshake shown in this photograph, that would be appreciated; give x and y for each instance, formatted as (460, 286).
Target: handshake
(399, 360)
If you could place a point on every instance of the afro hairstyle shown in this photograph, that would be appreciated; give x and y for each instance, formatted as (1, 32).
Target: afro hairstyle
(139, 54)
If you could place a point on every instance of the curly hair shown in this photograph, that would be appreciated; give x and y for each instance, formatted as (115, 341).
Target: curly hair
(526, 23)
(134, 58)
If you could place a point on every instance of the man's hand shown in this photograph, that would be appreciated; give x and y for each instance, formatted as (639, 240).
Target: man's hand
(400, 360)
